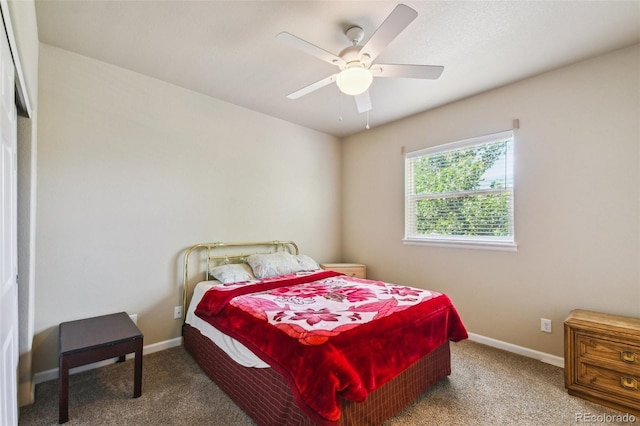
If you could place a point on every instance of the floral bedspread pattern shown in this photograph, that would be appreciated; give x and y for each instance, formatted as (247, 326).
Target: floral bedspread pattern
(315, 311)
(331, 335)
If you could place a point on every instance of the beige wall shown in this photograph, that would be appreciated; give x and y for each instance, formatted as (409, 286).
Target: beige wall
(577, 199)
(133, 170)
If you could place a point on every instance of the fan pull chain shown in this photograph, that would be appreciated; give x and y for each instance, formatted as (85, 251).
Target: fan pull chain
(367, 126)
(339, 107)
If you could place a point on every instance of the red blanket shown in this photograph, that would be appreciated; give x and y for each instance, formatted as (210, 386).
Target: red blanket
(328, 336)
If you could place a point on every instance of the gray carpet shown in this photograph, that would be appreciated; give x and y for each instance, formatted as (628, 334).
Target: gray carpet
(487, 387)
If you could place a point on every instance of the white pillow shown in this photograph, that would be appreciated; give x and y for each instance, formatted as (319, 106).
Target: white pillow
(232, 273)
(307, 263)
(272, 264)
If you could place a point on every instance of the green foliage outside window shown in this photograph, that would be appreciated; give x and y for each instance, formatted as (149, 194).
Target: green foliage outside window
(456, 196)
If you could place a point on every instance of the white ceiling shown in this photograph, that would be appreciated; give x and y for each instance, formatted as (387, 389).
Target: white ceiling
(227, 49)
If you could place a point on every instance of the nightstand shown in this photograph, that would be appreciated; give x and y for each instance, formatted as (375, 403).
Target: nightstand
(357, 270)
(602, 359)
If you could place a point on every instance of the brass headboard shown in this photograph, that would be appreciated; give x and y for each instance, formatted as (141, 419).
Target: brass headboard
(214, 254)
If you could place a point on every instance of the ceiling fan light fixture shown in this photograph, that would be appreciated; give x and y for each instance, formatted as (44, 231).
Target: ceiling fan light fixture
(354, 80)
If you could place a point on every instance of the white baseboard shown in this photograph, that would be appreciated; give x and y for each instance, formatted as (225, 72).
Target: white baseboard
(558, 361)
(53, 374)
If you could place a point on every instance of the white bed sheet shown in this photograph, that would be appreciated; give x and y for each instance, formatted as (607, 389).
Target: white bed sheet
(236, 350)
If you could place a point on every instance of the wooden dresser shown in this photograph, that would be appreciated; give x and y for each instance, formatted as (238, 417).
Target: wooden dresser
(602, 359)
(357, 270)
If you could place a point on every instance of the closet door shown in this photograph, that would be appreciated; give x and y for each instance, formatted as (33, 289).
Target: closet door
(8, 250)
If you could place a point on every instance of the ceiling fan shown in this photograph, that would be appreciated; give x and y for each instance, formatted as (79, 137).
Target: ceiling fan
(357, 69)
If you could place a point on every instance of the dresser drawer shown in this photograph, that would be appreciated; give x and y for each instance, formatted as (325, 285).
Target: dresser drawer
(616, 353)
(610, 381)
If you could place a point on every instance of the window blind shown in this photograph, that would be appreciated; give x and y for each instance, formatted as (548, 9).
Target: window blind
(461, 192)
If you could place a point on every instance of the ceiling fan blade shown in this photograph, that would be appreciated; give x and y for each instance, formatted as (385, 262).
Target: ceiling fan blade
(312, 87)
(363, 102)
(395, 23)
(429, 72)
(311, 49)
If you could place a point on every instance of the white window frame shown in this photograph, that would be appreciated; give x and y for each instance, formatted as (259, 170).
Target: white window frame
(411, 237)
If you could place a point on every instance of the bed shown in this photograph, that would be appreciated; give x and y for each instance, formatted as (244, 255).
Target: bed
(292, 344)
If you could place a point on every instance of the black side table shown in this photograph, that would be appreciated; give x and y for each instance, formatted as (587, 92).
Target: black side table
(95, 339)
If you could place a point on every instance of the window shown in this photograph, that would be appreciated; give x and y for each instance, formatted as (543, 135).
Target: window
(461, 193)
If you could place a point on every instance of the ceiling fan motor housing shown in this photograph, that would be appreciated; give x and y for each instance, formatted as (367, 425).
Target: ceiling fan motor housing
(351, 56)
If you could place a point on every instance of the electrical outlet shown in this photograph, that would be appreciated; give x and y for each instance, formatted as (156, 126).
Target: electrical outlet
(545, 325)
(177, 312)
(134, 318)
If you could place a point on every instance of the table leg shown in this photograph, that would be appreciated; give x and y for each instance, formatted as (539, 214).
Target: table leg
(63, 406)
(137, 379)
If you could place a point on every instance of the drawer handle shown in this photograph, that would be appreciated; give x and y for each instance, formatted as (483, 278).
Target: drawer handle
(629, 357)
(629, 383)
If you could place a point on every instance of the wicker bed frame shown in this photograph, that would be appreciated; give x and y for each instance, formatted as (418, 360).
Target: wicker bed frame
(264, 394)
